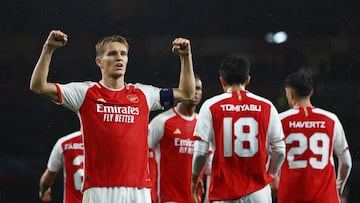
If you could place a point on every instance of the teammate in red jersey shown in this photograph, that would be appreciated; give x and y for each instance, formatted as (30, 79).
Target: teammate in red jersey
(171, 133)
(114, 116)
(245, 131)
(67, 154)
(311, 136)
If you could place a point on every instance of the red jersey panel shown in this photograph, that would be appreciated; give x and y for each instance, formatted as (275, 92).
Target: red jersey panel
(115, 128)
(153, 175)
(68, 154)
(172, 134)
(240, 125)
(308, 172)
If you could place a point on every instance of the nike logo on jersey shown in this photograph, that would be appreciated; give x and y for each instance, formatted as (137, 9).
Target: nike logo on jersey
(307, 124)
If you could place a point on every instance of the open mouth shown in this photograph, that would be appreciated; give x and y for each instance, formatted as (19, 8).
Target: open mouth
(119, 65)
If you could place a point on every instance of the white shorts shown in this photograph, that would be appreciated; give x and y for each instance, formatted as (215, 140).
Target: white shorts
(116, 195)
(261, 196)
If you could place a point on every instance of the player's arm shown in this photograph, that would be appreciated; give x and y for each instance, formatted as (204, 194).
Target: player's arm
(207, 170)
(46, 181)
(201, 149)
(38, 82)
(344, 169)
(186, 89)
(277, 144)
(342, 152)
(156, 131)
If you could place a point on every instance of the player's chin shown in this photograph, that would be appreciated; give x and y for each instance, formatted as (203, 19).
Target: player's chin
(195, 100)
(118, 74)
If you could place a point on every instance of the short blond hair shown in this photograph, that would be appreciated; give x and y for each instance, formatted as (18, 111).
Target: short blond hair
(100, 45)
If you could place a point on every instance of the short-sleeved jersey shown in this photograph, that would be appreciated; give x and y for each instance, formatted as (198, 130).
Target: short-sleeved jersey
(308, 174)
(67, 153)
(153, 174)
(114, 124)
(240, 126)
(172, 135)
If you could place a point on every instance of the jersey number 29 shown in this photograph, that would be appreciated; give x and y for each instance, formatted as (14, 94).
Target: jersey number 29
(314, 146)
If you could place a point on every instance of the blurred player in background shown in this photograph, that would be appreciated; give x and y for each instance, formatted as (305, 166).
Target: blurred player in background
(245, 130)
(114, 116)
(171, 134)
(67, 154)
(311, 135)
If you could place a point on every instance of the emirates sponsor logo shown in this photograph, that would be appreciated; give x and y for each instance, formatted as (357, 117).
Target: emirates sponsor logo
(133, 98)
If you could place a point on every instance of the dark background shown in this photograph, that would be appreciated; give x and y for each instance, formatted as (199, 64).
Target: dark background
(323, 39)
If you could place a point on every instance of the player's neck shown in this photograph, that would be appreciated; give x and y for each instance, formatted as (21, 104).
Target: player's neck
(185, 110)
(302, 103)
(234, 88)
(113, 83)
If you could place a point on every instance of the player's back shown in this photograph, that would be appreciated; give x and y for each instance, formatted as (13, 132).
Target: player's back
(308, 171)
(68, 153)
(240, 122)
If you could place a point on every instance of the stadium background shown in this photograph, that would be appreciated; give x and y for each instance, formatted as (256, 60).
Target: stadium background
(323, 38)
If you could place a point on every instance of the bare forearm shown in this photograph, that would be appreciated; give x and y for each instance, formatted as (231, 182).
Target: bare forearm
(38, 82)
(277, 157)
(41, 70)
(46, 181)
(187, 78)
(345, 164)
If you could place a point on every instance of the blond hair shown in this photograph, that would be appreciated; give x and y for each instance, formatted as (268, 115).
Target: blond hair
(100, 45)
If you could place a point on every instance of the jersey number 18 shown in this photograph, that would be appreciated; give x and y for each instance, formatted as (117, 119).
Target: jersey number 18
(248, 136)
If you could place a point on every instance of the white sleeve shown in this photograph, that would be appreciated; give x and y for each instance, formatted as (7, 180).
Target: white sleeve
(55, 162)
(201, 148)
(340, 142)
(342, 152)
(204, 128)
(73, 94)
(156, 131)
(276, 142)
(152, 94)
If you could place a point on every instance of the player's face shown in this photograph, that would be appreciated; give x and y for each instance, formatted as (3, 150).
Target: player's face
(198, 92)
(114, 60)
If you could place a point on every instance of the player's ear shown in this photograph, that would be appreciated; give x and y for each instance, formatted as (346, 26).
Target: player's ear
(222, 81)
(247, 80)
(98, 61)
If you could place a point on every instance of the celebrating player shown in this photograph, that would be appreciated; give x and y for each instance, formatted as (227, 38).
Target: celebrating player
(171, 133)
(67, 153)
(311, 135)
(113, 116)
(245, 130)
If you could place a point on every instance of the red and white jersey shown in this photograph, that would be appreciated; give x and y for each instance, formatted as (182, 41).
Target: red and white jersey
(241, 127)
(172, 135)
(153, 175)
(67, 153)
(114, 123)
(308, 174)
